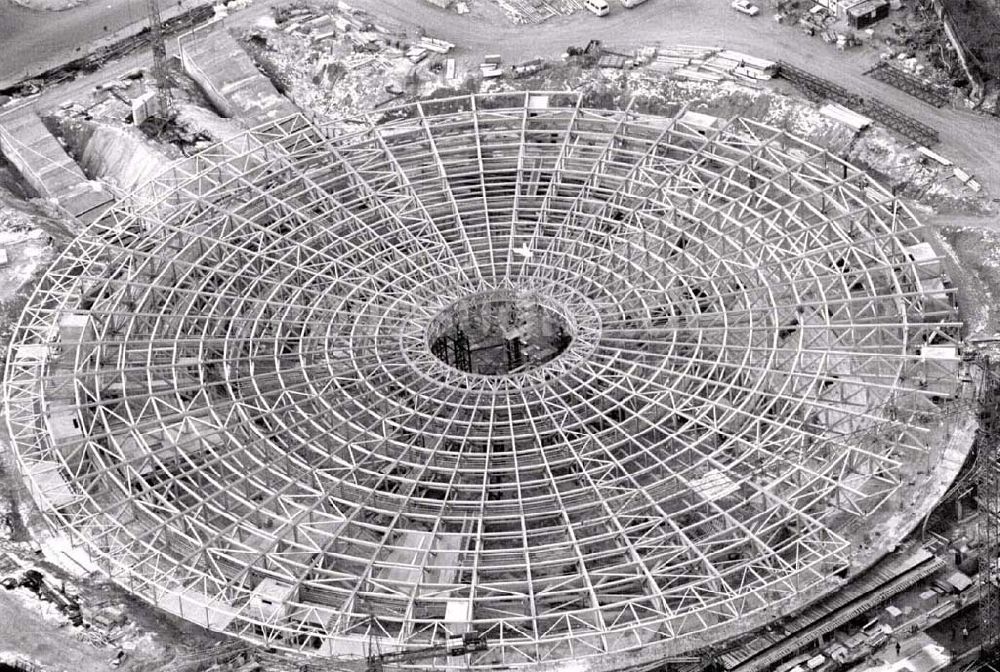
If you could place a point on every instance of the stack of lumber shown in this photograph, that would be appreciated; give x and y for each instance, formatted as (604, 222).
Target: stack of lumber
(537, 11)
(709, 64)
(438, 46)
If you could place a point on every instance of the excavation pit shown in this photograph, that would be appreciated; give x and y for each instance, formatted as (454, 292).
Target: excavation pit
(497, 334)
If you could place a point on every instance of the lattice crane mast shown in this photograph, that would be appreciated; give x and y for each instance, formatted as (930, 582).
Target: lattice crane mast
(459, 645)
(164, 102)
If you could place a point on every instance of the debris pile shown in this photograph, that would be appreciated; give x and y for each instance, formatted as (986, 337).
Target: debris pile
(111, 100)
(339, 62)
(95, 618)
(56, 600)
(13, 222)
(916, 42)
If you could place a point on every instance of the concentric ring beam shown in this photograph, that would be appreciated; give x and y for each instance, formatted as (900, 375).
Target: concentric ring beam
(587, 381)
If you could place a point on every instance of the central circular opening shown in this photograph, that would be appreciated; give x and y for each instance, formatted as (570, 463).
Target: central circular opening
(498, 334)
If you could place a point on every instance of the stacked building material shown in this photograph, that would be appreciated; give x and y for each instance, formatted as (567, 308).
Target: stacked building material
(710, 64)
(537, 11)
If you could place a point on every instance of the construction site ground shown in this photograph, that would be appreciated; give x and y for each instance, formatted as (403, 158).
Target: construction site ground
(44, 641)
(969, 139)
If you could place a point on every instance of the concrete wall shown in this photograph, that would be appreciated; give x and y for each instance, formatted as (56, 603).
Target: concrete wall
(43, 163)
(37, 155)
(224, 71)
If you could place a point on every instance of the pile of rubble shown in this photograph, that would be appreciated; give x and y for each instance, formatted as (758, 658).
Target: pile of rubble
(57, 600)
(336, 61)
(14, 222)
(97, 621)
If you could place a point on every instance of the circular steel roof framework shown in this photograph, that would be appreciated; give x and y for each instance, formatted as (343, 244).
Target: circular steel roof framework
(232, 390)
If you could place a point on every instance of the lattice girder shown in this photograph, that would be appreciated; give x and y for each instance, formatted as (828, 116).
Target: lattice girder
(245, 390)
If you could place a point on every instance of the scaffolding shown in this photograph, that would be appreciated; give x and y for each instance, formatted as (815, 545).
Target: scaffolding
(233, 391)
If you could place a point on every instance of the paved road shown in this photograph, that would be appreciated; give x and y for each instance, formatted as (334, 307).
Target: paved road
(32, 42)
(971, 140)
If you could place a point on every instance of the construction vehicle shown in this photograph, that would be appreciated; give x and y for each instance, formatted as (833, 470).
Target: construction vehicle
(35, 581)
(459, 645)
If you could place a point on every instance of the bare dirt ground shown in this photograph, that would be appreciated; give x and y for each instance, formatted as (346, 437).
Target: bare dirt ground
(975, 243)
(45, 641)
(150, 638)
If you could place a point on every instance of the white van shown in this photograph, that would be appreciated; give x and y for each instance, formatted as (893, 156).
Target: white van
(632, 3)
(599, 7)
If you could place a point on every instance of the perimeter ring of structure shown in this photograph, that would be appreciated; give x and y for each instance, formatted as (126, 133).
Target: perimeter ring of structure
(584, 381)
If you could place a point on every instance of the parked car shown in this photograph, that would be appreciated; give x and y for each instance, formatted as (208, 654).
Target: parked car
(745, 7)
(599, 7)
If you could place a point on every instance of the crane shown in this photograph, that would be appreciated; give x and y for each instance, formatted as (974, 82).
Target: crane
(458, 645)
(164, 103)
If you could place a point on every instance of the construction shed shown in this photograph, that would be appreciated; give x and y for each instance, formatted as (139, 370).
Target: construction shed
(866, 13)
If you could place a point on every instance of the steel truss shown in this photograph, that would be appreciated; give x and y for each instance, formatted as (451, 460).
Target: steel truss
(904, 81)
(225, 389)
(884, 114)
